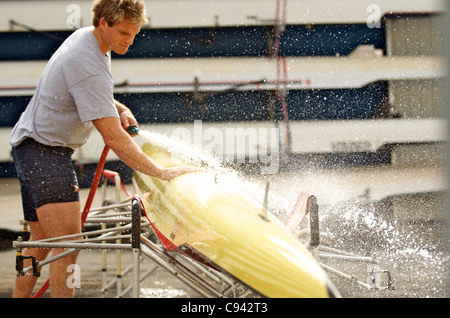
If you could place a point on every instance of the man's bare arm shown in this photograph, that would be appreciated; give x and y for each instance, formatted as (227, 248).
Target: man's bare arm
(116, 138)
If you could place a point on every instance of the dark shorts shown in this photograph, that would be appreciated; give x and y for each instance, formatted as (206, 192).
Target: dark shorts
(46, 175)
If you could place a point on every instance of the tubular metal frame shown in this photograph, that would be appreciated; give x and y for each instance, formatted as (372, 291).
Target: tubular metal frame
(377, 279)
(122, 221)
(124, 229)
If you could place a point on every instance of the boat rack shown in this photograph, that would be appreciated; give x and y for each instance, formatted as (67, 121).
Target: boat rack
(377, 278)
(120, 226)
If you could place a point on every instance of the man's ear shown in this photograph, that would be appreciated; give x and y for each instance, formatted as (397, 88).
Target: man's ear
(102, 23)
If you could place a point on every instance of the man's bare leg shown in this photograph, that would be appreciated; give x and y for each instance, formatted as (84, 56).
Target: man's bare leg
(58, 219)
(55, 219)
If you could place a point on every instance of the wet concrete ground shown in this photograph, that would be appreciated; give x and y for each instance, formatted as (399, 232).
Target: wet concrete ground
(413, 251)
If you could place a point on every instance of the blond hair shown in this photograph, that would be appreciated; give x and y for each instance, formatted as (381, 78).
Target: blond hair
(115, 11)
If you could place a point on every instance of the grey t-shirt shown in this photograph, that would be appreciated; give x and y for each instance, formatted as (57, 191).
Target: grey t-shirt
(75, 88)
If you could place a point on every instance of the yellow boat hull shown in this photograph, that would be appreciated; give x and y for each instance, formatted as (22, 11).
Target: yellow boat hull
(231, 230)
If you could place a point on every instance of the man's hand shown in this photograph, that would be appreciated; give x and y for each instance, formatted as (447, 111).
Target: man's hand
(168, 174)
(126, 116)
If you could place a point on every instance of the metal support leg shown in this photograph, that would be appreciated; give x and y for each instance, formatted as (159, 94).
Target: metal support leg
(136, 243)
(313, 210)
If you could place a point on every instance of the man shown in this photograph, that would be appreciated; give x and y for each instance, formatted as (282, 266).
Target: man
(74, 95)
